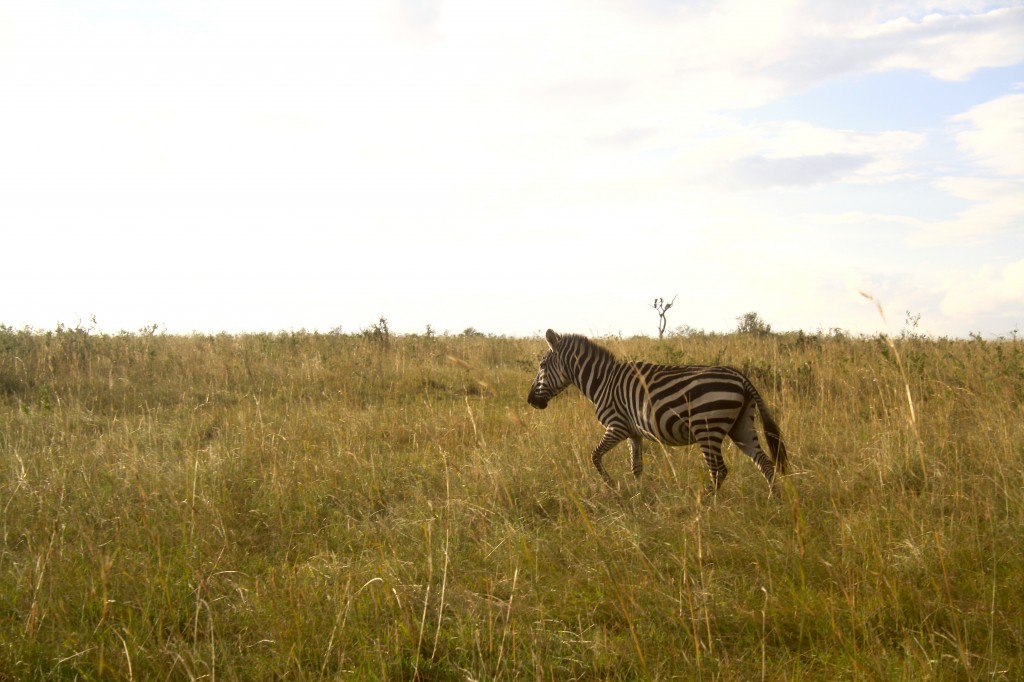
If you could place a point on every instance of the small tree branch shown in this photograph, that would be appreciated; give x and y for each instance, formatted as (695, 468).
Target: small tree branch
(661, 307)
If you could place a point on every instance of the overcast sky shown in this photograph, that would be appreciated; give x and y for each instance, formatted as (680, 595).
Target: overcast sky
(512, 166)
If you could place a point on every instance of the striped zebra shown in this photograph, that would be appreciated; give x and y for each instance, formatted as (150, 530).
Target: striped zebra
(669, 404)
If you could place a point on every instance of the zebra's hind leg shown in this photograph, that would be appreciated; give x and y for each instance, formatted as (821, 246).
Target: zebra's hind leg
(744, 434)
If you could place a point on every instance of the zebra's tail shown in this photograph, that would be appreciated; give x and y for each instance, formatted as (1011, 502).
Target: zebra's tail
(772, 434)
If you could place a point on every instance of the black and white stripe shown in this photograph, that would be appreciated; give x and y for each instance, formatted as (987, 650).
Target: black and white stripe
(674, 405)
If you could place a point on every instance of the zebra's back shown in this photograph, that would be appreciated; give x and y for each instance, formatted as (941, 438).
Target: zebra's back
(677, 405)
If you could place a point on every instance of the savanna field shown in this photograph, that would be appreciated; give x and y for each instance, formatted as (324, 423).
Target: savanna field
(371, 506)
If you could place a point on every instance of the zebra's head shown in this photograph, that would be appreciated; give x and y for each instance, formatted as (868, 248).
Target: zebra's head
(552, 378)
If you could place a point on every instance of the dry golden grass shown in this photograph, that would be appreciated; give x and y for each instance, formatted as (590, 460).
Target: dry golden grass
(369, 506)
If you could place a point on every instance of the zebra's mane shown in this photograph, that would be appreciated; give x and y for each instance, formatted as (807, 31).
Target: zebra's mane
(598, 351)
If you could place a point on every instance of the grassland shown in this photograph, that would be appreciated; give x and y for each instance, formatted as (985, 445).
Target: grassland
(302, 506)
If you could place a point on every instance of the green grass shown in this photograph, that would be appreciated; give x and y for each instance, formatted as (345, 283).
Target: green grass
(310, 506)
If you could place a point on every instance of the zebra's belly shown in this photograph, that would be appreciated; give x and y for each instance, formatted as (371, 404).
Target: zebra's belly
(676, 432)
(683, 437)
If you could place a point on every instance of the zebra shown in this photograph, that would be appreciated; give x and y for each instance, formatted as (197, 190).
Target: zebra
(672, 405)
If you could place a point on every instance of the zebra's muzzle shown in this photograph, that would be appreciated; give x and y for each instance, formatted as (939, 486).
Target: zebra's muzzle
(537, 401)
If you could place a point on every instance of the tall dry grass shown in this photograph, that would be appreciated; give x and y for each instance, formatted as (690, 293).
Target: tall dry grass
(369, 506)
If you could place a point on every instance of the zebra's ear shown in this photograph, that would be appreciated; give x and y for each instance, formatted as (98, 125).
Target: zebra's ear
(553, 338)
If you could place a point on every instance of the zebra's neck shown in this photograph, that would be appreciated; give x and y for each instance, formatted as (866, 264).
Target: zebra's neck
(591, 367)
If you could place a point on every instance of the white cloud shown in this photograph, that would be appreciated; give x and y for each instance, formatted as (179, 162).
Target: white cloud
(952, 46)
(792, 153)
(997, 208)
(989, 290)
(760, 171)
(253, 90)
(834, 39)
(992, 134)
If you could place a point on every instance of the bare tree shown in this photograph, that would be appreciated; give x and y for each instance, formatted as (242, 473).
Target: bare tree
(662, 308)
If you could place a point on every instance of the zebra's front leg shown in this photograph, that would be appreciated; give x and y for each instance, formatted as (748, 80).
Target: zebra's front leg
(610, 440)
(636, 445)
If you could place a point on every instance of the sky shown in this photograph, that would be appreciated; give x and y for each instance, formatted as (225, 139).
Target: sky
(209, 166)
